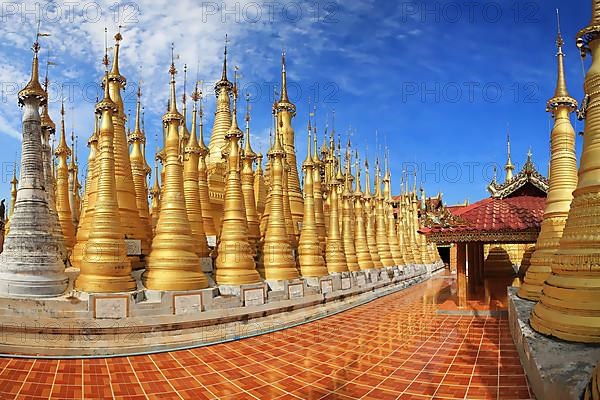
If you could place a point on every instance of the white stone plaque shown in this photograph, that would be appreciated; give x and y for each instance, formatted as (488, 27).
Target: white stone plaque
(187, 303)
(254, 297)
(134, 247)
(296, 290)
(361, 280)
(346, 283)
(212, 240)
(111, 307)
(374, 276)
(326, 286)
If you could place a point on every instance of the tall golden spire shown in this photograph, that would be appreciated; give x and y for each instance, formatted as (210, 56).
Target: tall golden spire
(63, 207)
(248, 157)
(184, 133)
(138, 167)
(563, 181)
(389, 213)
(209, 225)
(155, 197)
(260, 189)
(370, 205)
(363, 256)
(508, 167)
(104, 266)
(173, 263)
(191, 189)
(285, 111)
(348, 218)
(381, 234)
(131, 223)
(74, 185)
(276, 255)
(334, 250)
(235, 263)
(310, 258)
(318, 192)
(89, 199)
(222, 122)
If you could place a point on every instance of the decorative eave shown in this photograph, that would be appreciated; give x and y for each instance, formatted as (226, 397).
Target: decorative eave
(528, 174)
(451, 235)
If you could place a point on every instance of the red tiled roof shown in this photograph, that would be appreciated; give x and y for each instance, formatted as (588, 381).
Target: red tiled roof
(520, 213)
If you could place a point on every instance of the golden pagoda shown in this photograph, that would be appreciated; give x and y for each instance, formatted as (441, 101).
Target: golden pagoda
(563, 181)
(191, 189)
(363, 255)
(414, 220)
(285, 111)
(369, 211)
(381, 234)
(247, 177)
(173, 263)
(260, 189)
(217, 168)
(310, 257)
(207, 215)
(404, 226)
(508, 167)
(137, 139)
(334, 250)
(276, 256)
(104, 266)
(62, 152)
(74, 185)
(89, 198)
(389, 214)
(235, 264)
(131, 223)
(348, 217)
(318, 169)
(569, 306)
(155, 197)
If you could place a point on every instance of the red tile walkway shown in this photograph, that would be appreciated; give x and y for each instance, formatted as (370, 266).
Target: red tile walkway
(396, 347)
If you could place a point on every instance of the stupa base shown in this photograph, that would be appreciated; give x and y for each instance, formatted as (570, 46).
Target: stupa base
(145, 321)
(555, 369)
(23, 285)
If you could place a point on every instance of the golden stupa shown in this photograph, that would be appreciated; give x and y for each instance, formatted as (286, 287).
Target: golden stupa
(173, 263)
(235, 264)
(62, 152)
(369, 211)
(569, 306)
(247, 176)
(191, 189)
(563, 181)
(348, 217)
(334, 250)
(137, 158)
(381, 234)
(104, 266)
(363, 255)
(310, 257)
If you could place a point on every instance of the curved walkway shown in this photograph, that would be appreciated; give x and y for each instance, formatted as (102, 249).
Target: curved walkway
(396, 347)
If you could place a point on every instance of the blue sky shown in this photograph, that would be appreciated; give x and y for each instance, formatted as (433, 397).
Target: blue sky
(439, 81)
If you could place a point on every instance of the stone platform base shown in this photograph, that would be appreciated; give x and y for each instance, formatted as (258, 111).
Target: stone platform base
(145, 321)
(555, 369)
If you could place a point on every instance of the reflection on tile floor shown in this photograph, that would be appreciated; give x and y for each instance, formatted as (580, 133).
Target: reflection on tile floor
(392, 348)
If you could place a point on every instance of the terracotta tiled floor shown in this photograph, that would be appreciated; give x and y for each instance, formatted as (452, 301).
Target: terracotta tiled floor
(392, 348)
